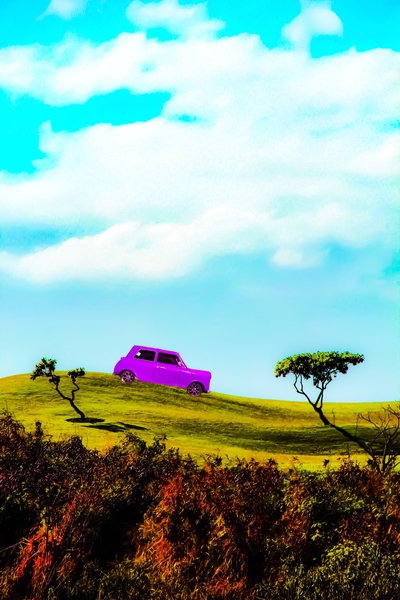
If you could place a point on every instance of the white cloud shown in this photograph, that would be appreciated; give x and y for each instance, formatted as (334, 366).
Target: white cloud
(198, 71)
(382, 161)
(66, 9)
(286, 154)
(167, 250)
(186, 20)
(316, 18)
(130, 249)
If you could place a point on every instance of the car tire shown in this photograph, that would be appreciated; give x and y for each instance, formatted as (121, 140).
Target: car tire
(127, 376)
(195, 389)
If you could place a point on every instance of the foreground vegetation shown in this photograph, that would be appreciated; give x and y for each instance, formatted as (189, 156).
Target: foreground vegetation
(145, 523)
(212, 424)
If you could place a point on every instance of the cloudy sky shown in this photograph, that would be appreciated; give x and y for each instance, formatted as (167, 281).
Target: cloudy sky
(220, 179)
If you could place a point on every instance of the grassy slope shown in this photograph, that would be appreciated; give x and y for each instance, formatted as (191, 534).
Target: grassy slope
(214, 423)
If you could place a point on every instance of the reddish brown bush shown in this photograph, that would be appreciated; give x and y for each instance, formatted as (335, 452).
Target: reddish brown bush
(142, 523)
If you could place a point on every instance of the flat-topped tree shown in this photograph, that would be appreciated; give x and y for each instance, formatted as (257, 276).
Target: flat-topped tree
(383, 446)
(46, 368)
(322, 367)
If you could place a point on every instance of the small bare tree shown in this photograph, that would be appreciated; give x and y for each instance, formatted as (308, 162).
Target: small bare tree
(384, 446)
(46, 368)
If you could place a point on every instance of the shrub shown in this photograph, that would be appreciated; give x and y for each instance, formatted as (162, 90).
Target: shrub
(139, 521)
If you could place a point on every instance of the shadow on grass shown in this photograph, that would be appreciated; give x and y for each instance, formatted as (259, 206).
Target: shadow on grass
(128, 426)
(113, 428)
(86, 420)
(300, 440)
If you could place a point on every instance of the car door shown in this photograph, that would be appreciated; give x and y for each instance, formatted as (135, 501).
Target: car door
(167, 370)
(144, 365)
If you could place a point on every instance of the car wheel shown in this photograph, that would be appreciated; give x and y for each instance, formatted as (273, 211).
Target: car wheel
(194, 389)
(127, 376)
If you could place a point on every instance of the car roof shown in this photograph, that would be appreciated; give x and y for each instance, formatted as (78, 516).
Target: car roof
(155, 349)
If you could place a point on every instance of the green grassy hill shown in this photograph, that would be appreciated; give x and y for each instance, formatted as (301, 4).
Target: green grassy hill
(212, 424)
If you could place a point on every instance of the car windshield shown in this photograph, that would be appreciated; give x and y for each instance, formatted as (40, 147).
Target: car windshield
(182, 362)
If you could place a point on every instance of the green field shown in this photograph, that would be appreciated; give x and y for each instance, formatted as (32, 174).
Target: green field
(230, 426)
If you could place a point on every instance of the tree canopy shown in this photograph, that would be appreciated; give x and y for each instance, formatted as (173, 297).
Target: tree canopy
(320, 366)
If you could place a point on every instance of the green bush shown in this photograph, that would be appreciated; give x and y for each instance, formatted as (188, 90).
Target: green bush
(141, 522)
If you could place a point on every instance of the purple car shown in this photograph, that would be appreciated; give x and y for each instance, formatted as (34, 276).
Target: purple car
(164, 367)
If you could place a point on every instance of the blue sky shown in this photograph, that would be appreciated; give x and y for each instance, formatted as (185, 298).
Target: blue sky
(218, 179)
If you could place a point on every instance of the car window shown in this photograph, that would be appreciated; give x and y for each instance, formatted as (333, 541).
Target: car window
(169, 359)
(145, 354)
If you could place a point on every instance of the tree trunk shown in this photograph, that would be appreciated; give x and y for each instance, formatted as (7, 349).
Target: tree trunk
(80, 413)
(71, 401)
(322, 416)
(346, 434)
